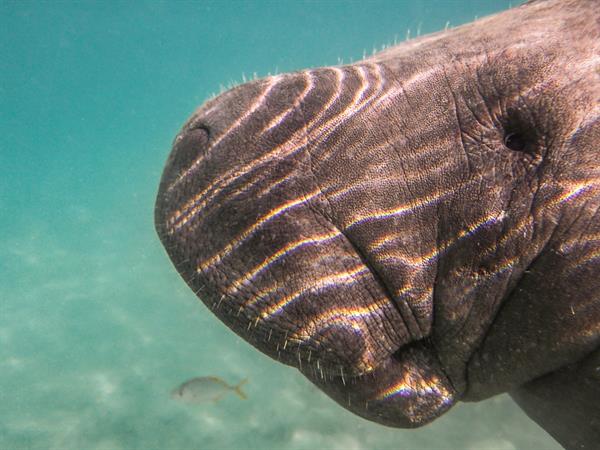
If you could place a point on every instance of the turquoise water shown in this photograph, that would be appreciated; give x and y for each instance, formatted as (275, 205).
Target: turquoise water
(96, 327)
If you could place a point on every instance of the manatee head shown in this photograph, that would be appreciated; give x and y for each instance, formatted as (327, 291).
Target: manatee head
(405, 230)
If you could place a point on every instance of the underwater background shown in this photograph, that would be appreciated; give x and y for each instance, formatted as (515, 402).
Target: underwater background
(96, 326)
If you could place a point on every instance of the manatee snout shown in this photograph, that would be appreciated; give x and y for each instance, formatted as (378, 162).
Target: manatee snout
(253, 233)
(245, 223)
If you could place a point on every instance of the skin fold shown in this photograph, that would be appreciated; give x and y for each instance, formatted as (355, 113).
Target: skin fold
(414, 229)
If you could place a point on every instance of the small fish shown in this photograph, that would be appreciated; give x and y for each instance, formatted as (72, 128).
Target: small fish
(206, 389)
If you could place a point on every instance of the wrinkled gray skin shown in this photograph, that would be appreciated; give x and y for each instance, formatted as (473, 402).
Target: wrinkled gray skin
(415, 229)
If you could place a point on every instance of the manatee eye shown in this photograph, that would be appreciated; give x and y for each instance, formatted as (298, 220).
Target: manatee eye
(520, 130)
(515, 141)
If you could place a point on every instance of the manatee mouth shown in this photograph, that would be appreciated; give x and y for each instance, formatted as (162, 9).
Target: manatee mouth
(341, 324)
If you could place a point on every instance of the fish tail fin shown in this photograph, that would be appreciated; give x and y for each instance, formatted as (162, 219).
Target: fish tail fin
(238, 389)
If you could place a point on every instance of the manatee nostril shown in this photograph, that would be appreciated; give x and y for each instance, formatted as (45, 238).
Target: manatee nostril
(201, 127)
(190, 146)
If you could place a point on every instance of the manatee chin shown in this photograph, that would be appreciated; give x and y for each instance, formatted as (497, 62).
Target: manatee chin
(407, 390)
(414, 229)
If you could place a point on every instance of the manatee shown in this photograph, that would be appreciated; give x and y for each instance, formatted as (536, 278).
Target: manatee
(416, 229)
